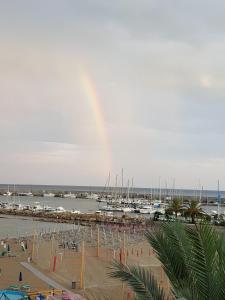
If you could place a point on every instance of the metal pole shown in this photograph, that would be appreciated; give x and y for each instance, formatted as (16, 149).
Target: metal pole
(98, 241)
(82, 267)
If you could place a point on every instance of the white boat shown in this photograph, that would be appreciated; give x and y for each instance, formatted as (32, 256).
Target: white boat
(111, 208)
(102, 200)
(25, 194)
(127, 209)
(106, 208)
(60, 209)
(109, 213)
(16, 206)
(49, 195)
(8, 193)
(69, 195)
(75, 211)
(27, 207)
(49, 209)
(92, 196)
(145, 211)
(37, 207)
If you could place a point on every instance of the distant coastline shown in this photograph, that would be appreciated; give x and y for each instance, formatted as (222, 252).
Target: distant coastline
(100, 189)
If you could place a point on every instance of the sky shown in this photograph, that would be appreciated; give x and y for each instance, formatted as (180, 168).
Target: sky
(92, 86)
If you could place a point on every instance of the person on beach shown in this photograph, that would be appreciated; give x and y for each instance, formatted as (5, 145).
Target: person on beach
(22, 246)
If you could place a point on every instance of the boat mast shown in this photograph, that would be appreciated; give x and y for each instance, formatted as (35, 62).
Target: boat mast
(116, 188)
(166, 192)
(200, 196)
(159, 188)
(128, 190)
(122, 183)
(173, 193)
(132, 187)
(218, 198)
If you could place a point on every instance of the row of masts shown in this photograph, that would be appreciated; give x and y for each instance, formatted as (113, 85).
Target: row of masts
(117, 190)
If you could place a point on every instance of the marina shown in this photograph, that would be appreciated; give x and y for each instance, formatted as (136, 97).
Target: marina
(115, 205)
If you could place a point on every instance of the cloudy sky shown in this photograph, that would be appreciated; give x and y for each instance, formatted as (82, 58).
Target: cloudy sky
(157, 69)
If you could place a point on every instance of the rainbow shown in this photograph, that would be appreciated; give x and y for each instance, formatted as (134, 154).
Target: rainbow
(96, 108)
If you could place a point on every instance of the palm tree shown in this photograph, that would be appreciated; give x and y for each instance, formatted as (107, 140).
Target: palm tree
(193, 210)
(175, 207)
(193, 258)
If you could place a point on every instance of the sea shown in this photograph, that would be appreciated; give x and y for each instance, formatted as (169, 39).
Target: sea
(99, 189)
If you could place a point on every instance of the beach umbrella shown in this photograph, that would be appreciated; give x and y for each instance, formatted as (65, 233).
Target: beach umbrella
(20, 276)
(4, 296)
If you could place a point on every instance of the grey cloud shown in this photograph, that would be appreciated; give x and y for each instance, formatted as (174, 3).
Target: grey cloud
(158, 71)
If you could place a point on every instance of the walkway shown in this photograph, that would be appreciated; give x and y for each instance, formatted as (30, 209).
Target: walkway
(43, 277)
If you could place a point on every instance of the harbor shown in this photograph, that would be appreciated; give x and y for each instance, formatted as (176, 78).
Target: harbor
(102, 204)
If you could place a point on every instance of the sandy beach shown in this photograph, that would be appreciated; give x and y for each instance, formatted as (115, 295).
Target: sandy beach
(82, 256)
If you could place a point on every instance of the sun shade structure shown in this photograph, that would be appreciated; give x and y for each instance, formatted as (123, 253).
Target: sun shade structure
(12, 295)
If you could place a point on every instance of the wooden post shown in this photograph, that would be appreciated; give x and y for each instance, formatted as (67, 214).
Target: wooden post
(82, 267)
(54, 263)
(124, 248)
(123, 287)
(98, 242)
(112, 240)
(91, 233)
(33, 245)
(52, 244)
(51, 254)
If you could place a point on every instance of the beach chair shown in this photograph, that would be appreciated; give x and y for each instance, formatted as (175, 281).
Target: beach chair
(25, 287)
(3, 253)
(14, 287)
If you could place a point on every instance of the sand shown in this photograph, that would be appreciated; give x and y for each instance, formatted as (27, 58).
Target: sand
(10, 269)
(57, 257)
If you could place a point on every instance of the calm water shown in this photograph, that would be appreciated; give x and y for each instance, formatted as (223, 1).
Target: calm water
(18, 226)
(11, 226)
(84, 205)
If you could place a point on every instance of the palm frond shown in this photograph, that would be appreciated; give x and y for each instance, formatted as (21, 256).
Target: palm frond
(173, 249)
(220, 274)
(140, 280)
(203, 261)
(193, 258)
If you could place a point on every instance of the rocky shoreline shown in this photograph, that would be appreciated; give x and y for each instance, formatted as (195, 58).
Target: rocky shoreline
(81, 218)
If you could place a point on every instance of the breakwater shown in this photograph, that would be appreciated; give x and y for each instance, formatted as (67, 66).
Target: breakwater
(82, 218)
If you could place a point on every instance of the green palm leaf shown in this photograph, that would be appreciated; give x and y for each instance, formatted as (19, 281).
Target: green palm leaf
(193, 257)
(205, 262)
(140, 280)
(173, 249)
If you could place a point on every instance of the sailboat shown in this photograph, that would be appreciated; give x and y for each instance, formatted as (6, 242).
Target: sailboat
(105, 194)
(8, 193)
